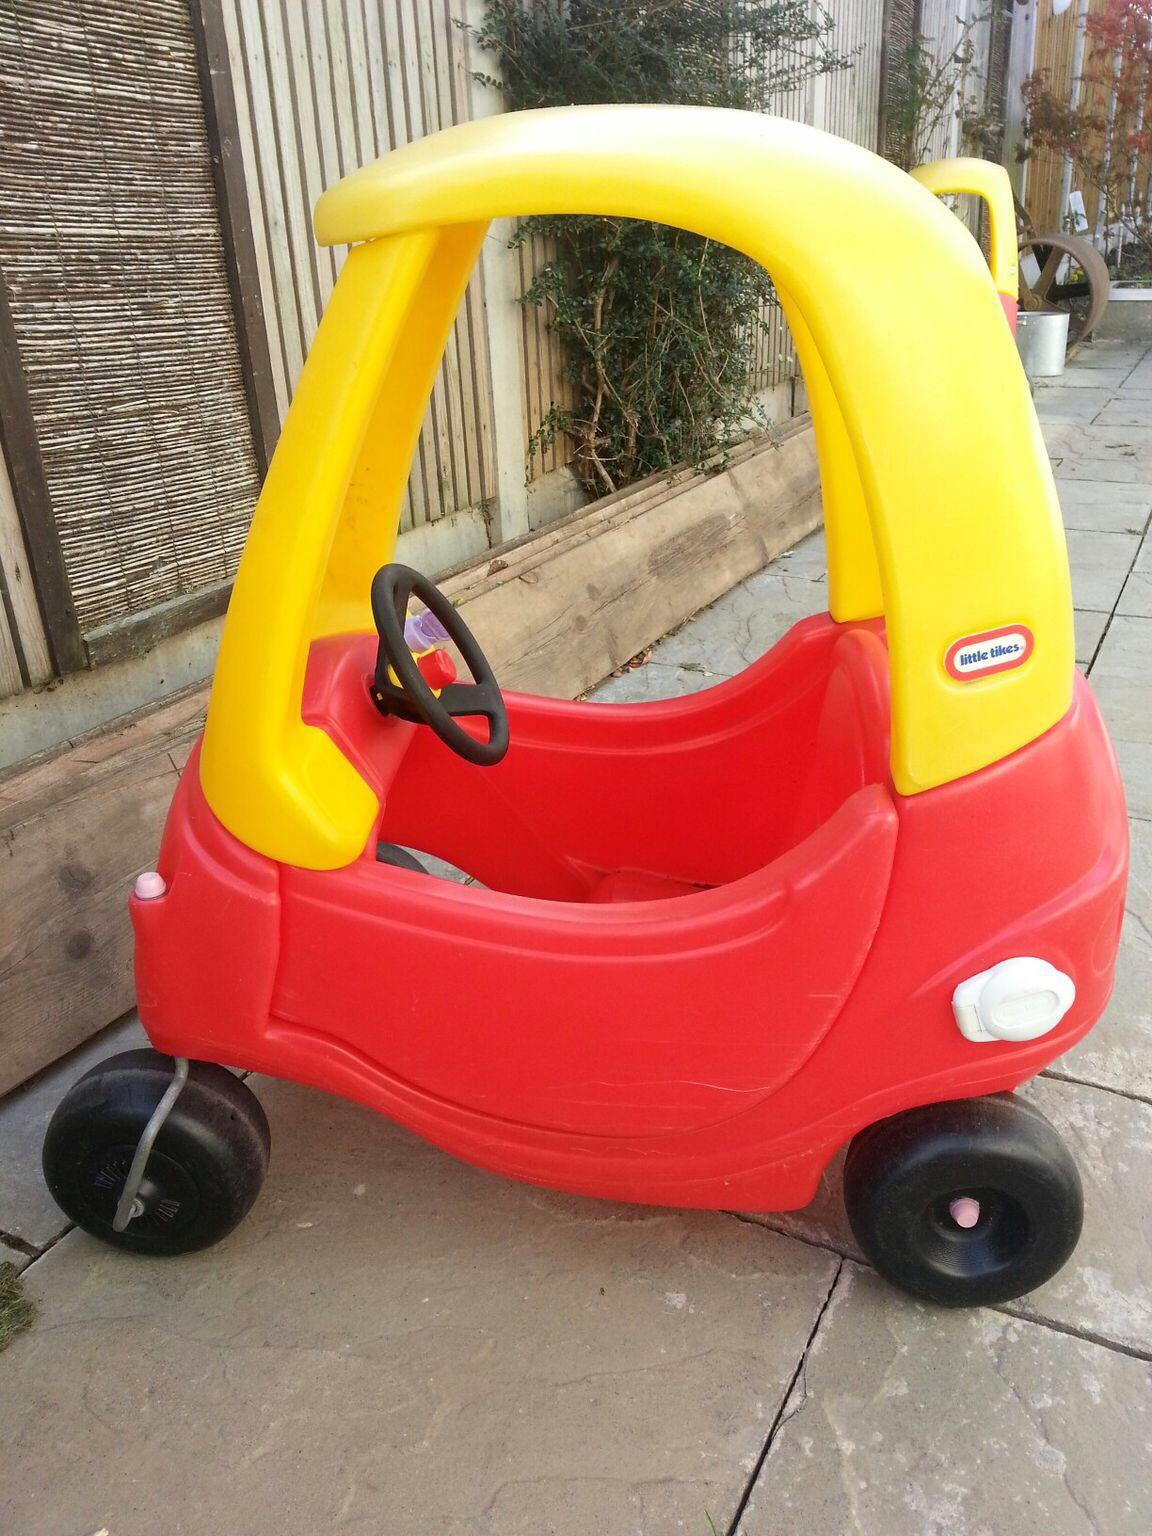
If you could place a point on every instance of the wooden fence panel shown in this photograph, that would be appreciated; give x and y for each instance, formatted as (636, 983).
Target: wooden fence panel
(24, 658)
(322, 89)
(1053, 59)
(1055, 38)
(847, 103)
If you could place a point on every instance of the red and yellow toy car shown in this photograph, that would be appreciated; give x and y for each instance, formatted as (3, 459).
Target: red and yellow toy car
(857, 894)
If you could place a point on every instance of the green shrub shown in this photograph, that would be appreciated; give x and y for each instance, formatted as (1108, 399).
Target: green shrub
(658, 325)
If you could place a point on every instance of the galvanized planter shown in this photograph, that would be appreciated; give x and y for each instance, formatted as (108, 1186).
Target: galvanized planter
(1042, 341)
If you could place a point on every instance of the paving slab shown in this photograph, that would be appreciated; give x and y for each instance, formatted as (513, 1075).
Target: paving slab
(1101, 438)
(1132, 410)
(1120, 444)
(1105, 1289)
(1135, 759)
(1118, 1052)
(1136, 598)
(1100, 565)
(1109, 376)
(1122, 678)
(823, 1221)
(745, 622)
(655, 680)
(27, 1210)
(1090, 628)
(393, 1341)
(14, 1256)
(911, 1421)
(808, 558)
(1109, 352)
(1093, 440)
(1055, 402)
(719, 641)
(1105, 504)
(1124, 468)
(1094, 437)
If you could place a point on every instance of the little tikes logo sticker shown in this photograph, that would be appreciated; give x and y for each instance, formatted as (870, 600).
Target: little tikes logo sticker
(988, 652)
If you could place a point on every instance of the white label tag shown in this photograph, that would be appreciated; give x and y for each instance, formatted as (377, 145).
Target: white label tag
(988, 651)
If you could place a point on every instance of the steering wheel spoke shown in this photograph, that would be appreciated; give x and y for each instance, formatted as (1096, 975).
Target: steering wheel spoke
(392, 589)
(462, 700)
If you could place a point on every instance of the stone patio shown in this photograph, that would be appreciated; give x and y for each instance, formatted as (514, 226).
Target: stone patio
(396, 1343)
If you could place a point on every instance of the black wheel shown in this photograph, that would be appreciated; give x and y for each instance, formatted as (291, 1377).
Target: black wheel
(204, 1171)
(964, 1204)
(1084, 283)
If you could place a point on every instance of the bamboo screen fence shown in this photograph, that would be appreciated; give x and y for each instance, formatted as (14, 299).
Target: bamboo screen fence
(121, 281)
(114, 276)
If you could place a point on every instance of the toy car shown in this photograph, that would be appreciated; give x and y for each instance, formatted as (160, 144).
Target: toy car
(854, 896)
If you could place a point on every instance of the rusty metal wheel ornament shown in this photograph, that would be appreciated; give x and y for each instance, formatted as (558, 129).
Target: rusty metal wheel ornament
(1073, 276)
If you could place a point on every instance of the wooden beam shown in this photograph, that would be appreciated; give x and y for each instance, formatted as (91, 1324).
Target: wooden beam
(501, 312)
(22, 607)
(1021, 62)
(631, 568)
(75, 830)
(220, 119)
(77, 826)
(21, 448)
(139, 632)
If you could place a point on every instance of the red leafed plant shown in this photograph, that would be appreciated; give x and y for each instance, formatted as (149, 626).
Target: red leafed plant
(1108, 132)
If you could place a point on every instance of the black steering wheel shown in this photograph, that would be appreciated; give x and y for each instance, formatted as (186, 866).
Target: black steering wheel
(392, 588)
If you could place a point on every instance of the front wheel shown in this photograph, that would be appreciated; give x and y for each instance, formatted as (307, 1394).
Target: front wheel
(967, 1203)
(202, 1175)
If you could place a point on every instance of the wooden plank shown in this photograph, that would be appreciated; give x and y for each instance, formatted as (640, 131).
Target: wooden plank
(58, 777)
(474, 320)
(515, 560)
(20, 445)
(537, 465)
(360, 85)
(470, 488)
(11, 679)
(238, 242)
(413, 509)
(78, 825)
(420, 104)
(23, 611)
(320, 73)
(335, 32)
(437, 115)
(298, 213)
(638, 569)
(309, 130)
(139, 632)
(65, 940)
(376, 66)
(293, 339)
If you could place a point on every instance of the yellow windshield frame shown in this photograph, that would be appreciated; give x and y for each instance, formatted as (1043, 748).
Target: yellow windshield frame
(939, 500)
(969, 177)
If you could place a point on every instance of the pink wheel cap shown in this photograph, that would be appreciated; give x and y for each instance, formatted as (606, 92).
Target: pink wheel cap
(149, 885)
(965, 1211)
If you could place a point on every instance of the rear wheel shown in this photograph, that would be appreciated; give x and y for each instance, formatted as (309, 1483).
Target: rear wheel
(204, 1171)
(964, 1204)
(1061, 271)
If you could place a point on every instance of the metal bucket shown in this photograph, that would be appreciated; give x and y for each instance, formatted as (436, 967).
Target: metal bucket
(1042, 341)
